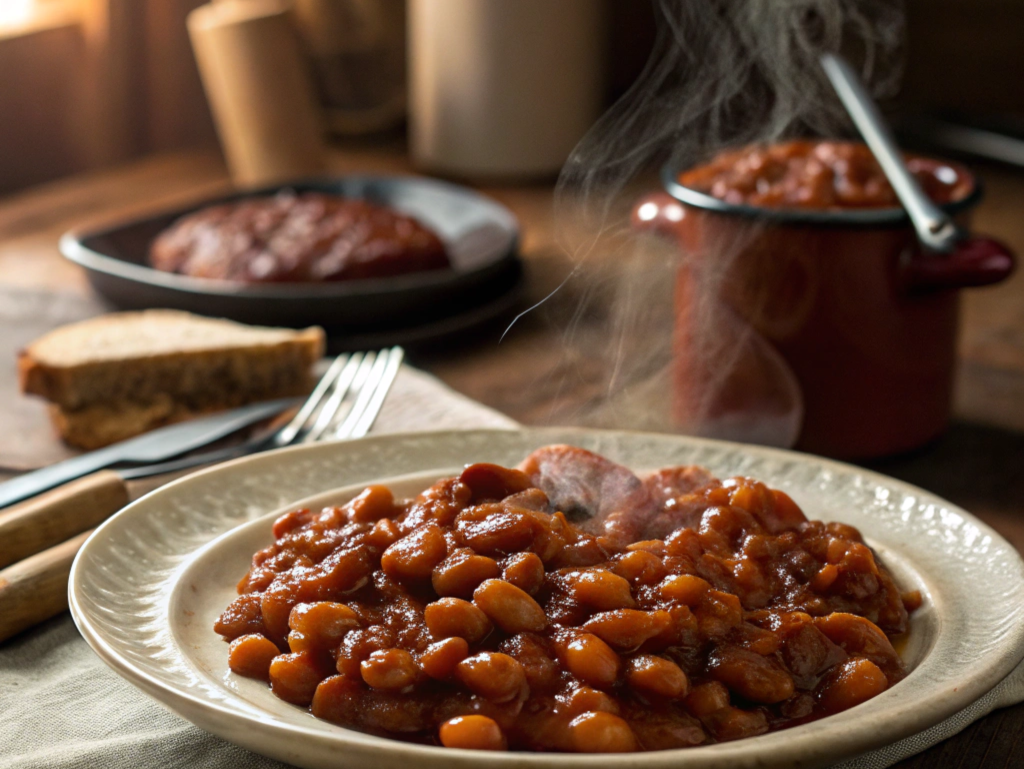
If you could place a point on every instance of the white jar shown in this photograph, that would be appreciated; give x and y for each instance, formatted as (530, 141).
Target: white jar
(503, 88)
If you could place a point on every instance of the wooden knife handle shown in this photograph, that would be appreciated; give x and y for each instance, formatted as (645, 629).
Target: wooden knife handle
(36, 589)
(32, 526)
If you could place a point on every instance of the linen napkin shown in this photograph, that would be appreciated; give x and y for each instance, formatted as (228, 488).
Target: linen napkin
(62, 708)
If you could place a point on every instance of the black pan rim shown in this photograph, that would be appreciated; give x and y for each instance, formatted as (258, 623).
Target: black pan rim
(72, 247)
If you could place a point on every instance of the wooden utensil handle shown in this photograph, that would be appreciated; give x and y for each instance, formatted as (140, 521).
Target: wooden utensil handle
(50, 518)
(33, 590)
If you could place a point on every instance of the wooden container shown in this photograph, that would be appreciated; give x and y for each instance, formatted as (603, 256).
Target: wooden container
(259, 90)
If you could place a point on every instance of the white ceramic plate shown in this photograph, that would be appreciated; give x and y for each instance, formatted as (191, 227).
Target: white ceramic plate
(148, 584)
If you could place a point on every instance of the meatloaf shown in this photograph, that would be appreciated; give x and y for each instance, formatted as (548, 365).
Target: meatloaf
(297, 237)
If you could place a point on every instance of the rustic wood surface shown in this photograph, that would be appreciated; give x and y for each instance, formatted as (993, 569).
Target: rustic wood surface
(978, 464)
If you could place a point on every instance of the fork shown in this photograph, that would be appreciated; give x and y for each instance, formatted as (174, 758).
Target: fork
(360, 380)
(342, 406)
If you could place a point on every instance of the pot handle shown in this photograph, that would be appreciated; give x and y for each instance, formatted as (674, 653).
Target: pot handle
(976, 261)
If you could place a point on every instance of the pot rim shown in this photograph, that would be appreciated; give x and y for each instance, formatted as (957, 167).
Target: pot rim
(856, 218)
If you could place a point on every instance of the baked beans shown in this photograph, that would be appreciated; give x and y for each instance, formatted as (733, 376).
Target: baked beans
(568, 605)
(817, 175)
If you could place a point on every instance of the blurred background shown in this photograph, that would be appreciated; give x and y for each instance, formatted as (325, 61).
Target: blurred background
(89, 83)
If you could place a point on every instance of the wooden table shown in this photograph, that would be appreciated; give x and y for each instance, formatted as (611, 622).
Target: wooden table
(979, 464)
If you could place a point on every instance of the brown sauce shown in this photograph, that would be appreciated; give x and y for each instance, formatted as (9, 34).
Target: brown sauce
(308, 237)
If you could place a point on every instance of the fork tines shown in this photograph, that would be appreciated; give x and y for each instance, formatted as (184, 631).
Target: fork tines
(346, 400)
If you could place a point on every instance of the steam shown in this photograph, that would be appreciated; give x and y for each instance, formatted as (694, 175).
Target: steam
(732, 72)
(723, 73)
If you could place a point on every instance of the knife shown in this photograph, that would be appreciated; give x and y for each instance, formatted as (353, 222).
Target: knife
(50, 518)
(155, 446)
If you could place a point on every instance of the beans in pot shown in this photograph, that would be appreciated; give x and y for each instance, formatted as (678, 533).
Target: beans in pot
(807, 174)
(674, 610)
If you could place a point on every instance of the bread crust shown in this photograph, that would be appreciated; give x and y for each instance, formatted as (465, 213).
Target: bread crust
(252, 359)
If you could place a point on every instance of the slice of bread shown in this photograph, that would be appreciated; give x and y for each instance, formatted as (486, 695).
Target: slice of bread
(118, 375)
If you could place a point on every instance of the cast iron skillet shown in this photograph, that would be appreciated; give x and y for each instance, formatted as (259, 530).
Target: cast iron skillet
(481, 237)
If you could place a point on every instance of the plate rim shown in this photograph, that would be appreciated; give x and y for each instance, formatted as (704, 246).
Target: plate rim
(844, 743)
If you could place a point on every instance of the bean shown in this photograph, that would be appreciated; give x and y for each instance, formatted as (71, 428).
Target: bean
(550, 540)
(324, 623)
(374, 503)
(851, 683)
(684, 543)
(294, 677)
(492, 675)
(299, 642)
(441, 502)
(330, 518)
(251, 655)
(591, 660)
(493, 482)
(627, 629)
(652, 546)
(750, 675)
(454, 617)
(723, 528)
(786, 514)
(389, 670)
(461, 572)
(525, 571)
(753, 497)
(472, 733)
(600, 589)
(861, 637)
(836, 550)
(586, 551)
(758, 640)
(439, 659)
(337, 699)
(358, 645)
(640, 567)
(707, 698)
(600, 732)
(825, 577)
(276, 604)
(291, 521)
(719, 614)
(510, 608)
(685, 588)
(494, 529)
(384, 533)
(584, 699)
(243, 616)
(344, 570)
(415, 556)
(657, 676)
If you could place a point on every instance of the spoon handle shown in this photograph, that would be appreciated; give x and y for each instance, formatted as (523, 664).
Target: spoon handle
(934, 227)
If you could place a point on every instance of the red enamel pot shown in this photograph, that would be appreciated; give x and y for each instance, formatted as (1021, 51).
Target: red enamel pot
(864, 318)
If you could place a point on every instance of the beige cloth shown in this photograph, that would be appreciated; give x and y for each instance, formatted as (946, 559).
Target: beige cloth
(62, 708)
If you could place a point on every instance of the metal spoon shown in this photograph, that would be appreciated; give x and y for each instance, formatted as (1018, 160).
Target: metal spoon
(935, 229)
